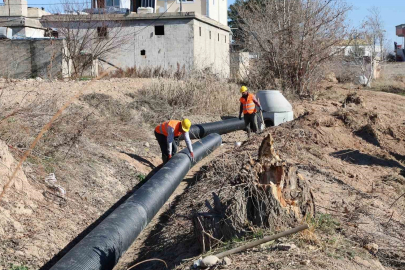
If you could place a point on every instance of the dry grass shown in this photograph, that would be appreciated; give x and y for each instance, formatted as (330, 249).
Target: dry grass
(395, 85)
(171, 99)
(157, 72)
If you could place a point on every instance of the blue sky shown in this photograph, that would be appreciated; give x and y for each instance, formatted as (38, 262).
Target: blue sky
(392, 11)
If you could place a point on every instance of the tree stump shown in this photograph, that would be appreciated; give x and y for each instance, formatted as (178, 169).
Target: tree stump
(273, 195)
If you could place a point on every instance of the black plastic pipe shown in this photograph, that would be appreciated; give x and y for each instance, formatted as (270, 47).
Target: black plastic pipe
(107, 242)
(221, 127)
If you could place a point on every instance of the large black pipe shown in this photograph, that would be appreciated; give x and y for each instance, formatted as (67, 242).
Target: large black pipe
(221, 127)
(106, 243)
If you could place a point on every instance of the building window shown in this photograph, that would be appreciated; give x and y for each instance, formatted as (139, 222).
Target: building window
(185, 1)
(210, 34)
(159, 30)
(218, 36)
(102, 32)
(112, 3)
(225, 39)
(200, 31)
(143, 52)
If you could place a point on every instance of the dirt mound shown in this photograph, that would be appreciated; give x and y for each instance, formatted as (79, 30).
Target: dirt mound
(15, 208)
(20, 182)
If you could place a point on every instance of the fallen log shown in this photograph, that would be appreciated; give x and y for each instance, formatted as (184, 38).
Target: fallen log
(261, 241)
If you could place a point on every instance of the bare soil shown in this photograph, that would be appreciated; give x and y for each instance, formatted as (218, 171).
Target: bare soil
(349, 144)
(97, 150)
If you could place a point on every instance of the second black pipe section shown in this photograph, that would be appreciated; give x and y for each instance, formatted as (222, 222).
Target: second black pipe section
(221, 127)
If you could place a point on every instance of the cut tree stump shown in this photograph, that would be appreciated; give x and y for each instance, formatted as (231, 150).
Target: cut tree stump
(273, 195)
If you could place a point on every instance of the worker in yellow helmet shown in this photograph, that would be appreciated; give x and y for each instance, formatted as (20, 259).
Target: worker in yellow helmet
(165, 134)
(248, 103)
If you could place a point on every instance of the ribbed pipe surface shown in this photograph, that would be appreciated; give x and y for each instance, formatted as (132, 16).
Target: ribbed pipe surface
(221, 127)
(107, 242)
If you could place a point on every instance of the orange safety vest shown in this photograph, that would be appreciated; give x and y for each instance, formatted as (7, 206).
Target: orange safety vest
(163, 128)
(249, 106)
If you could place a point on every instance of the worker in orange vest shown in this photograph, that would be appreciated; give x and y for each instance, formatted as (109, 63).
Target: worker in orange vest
(248, 103)
(165, 134)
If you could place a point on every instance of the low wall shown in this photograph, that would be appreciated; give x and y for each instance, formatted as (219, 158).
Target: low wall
(30, 58)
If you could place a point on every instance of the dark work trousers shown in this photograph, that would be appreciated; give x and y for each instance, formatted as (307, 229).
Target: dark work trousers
(162, 140)
(250, 122)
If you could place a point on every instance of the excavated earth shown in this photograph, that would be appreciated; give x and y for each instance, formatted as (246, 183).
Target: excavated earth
(348, 144)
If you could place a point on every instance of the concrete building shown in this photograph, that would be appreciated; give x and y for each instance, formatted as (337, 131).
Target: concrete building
(168, 41)
(214, 9)
(17, 20)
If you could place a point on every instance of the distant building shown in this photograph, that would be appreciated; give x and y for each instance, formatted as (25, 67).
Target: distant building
(359, 48)
(398, 49)
(17, 20)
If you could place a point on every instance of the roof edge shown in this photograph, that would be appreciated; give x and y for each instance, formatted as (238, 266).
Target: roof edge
(136, 17)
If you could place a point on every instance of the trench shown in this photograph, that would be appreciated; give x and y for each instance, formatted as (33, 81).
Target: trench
(105, 244)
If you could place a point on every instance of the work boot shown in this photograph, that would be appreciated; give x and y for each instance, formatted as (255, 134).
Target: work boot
(249, 132)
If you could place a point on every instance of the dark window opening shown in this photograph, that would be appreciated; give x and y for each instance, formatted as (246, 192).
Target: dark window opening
(159, 30)
(143, 52)
(218, 37)
(102, 32)
(225, 39)
(210, 34)
(200, 31)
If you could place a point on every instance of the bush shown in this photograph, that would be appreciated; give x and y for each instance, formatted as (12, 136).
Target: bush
(175, 99)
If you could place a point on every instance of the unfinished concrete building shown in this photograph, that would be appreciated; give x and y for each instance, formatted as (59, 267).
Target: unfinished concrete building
(171, 40)
(17, 20)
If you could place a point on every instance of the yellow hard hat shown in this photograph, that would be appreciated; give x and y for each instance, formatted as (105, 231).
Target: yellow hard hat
(185, 125)
(243, 89)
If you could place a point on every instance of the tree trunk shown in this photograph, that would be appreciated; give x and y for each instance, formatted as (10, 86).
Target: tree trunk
(274, 196)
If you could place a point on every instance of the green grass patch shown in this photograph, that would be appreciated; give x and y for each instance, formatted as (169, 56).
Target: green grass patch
(324, 222)
(141, 177)
(18, 267)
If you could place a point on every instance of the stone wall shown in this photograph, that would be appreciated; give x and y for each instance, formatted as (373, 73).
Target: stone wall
(31, 58)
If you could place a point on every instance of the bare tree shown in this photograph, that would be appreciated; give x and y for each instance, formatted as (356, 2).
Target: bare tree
(367, 48)
(88, 36)
(292, 39)
(376, 25)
